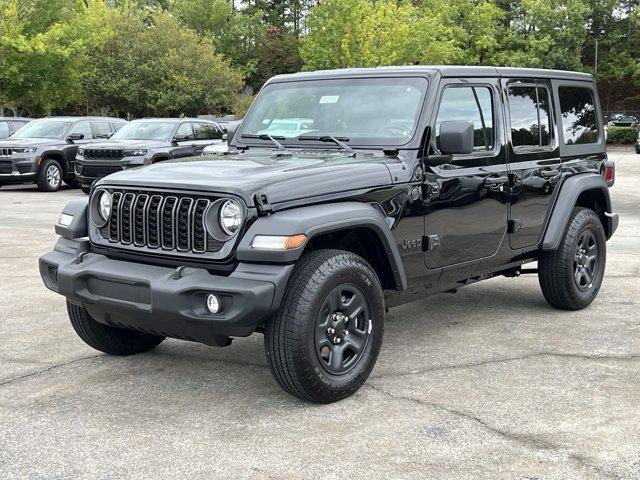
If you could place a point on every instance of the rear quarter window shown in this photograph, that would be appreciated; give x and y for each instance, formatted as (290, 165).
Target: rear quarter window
(578, 115)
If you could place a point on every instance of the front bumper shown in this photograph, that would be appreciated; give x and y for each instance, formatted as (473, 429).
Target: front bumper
(89, 171)
(18, 169)
(161, 299)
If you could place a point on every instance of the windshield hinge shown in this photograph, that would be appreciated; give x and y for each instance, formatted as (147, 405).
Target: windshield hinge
(262, 203)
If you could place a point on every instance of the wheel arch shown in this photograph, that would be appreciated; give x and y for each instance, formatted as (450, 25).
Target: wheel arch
(352, 226)
(57, 156)
(587, 190)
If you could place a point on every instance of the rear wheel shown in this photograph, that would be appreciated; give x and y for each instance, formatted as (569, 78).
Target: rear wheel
(50, 176)
(107, 339)
(324, 341)
(571, 276)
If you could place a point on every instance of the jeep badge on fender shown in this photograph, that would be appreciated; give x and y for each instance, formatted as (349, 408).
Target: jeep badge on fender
(344, 193)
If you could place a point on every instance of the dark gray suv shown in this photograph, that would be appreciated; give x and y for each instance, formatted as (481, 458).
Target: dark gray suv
(143, 142)
(43, 150)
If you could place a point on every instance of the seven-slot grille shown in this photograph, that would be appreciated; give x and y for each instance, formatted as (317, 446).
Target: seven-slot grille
(160, 221)
(103, 154)
(6, 152)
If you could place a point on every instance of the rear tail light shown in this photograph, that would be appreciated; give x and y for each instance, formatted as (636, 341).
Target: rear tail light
(609, 173)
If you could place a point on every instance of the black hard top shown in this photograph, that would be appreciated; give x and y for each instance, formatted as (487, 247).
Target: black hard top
(15, 119)
(443, 70)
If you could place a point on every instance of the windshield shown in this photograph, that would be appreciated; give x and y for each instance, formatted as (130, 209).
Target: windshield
(44, 129)
(366, 111)
(145, 131)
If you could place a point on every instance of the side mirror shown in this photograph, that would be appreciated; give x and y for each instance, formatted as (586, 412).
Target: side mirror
(456, 138)
(75, 136)
(231, 131)
(180, 138)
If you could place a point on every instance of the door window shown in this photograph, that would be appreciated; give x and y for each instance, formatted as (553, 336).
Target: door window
(206, 131)
(15, 126)
(85, 129)
(101, 129)
(529, 108)
(579, 121)
(185, 130)
(469, 104)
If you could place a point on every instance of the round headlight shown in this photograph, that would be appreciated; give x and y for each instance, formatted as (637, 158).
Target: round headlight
(104, 205)
(231, 217)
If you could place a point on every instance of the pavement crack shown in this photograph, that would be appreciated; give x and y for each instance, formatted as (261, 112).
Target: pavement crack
(527, 441)
(46, 370)
(492, 361)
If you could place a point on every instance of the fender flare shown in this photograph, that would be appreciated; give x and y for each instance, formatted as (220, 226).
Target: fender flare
(318, 219)
(567, 198)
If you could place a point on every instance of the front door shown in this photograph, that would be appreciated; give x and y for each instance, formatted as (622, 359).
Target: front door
(467, 210)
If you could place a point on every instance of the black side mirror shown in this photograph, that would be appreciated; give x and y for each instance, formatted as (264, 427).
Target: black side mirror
(456, 138)
(75, 136)
(231, 131)
(180, 138)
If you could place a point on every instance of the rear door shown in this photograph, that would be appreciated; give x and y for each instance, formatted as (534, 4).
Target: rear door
(467, 207)
(206, 134)
(534, 158)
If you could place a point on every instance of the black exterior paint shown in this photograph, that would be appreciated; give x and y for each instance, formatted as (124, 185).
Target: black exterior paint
(489, 210)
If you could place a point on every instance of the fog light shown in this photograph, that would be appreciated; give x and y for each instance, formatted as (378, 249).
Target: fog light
(213, 303)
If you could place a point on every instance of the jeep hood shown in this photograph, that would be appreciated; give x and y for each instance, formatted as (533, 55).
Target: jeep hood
(30, 142)
(282, 178)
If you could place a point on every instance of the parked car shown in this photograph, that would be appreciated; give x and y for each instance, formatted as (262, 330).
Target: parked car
(143, 142)
(414, 181)
(624, 121)
(43, 150)
(638, 143)
(9, 125)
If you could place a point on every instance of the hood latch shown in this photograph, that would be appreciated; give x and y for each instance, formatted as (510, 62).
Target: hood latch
(262, 203)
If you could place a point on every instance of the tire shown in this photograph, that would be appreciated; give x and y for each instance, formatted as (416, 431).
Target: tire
(50, 176)
(565, 285)
(301, 340)
(86, 190)
(111, 340)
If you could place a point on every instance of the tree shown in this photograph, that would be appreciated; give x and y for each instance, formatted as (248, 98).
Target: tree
(42, 60)
(163, 69)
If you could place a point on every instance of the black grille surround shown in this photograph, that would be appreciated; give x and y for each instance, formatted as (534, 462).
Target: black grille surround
(161, 223)
(103, 154)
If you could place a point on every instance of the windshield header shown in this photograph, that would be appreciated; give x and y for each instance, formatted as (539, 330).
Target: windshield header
(361, 111)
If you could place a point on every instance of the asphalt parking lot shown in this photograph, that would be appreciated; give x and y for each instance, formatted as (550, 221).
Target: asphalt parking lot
(488, 383)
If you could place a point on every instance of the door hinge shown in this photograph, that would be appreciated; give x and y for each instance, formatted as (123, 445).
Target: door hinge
(262, 203)
(514, 225)
(430, 243)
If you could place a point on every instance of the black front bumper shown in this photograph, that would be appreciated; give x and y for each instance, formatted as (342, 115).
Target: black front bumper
(161, 300)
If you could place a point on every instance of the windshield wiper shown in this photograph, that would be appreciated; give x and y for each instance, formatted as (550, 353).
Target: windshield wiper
(329, 138)
(265, 136)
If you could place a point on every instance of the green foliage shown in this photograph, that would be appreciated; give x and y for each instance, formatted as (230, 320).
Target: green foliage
(242, 104)
(163, 69)
(626, 135)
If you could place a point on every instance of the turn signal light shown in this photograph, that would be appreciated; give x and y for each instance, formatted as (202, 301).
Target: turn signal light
(278, 242)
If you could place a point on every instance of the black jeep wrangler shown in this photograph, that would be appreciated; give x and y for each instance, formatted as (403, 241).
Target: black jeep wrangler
(345, 193)
(143, 142)
(43, 150)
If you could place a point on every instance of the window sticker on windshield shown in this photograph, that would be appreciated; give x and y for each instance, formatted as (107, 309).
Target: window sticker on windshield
(329, 98)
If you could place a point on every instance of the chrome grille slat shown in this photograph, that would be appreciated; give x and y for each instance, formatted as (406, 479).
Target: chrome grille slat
(155, 220)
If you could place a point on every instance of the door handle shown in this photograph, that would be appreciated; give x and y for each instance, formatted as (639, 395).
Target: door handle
(549, 173)
(496, 180)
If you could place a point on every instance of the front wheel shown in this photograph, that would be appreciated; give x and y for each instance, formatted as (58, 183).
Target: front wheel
(571, 276)
(50, 176)
(324, 341)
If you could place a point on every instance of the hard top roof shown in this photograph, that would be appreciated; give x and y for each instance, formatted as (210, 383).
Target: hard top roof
(15, 119)
(443, 70)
